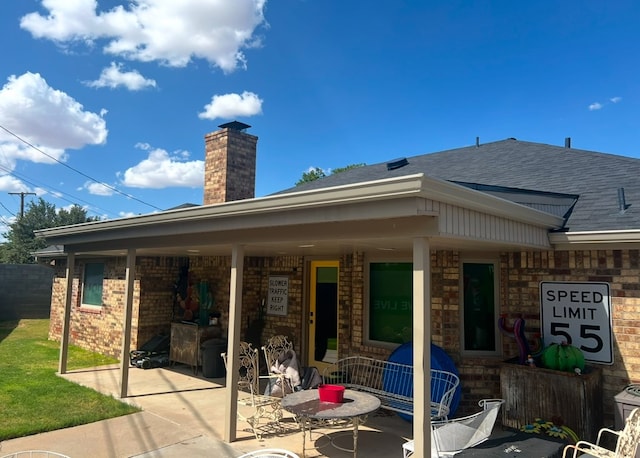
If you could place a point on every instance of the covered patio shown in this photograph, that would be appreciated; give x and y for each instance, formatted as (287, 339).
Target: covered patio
(414, 214)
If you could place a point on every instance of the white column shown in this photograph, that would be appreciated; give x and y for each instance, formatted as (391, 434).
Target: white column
(130, 276)
(421, 347)
(66, 319)
(233, 346)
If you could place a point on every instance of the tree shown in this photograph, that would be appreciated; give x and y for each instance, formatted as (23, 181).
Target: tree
(316, 173)
(21, 241)
(312, 175)
(348, 167)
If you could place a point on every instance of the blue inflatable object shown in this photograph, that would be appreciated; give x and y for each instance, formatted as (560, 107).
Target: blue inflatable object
(439, 360)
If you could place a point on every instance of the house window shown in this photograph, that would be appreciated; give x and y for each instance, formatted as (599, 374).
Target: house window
(390, 317)
(92, 284)
(479, 314)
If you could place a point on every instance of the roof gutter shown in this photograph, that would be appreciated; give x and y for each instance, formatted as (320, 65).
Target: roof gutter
(594, 238)
(368, 191)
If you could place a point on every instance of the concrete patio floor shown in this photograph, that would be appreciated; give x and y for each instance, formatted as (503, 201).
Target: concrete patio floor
(183, 415)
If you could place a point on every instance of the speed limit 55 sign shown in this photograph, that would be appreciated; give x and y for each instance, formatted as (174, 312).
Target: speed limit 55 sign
(579, 314)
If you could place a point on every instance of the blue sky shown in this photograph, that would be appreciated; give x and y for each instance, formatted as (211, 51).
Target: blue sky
(105, 104)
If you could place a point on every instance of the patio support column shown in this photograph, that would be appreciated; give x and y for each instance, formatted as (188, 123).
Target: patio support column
(130, 276)
(66, 319)
(421, 346)
(233, 345)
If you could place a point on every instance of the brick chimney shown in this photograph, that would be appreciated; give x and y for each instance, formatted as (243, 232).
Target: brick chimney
(229, 164)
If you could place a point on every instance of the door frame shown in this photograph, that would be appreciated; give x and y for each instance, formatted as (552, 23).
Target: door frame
(311, 308)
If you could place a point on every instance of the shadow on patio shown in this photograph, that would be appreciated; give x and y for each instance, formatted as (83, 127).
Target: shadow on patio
(195, 405)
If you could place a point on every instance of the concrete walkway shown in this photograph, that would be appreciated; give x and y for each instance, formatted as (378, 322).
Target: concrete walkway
(183, 416)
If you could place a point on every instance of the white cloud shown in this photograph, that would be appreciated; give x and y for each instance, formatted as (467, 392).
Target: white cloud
(598, 106)
(161, 170)
(113, 77)
(98, 189)
(47, 118)
(9, 183)
(232, 105)
(171, 32)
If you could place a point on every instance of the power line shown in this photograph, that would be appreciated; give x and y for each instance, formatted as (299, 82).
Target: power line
(78, 171)
(90, 206)
(5, 207)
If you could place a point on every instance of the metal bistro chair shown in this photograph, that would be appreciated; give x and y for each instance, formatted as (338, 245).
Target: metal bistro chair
(443, 388)
(277, 349)
(626, 445)
(250, 400)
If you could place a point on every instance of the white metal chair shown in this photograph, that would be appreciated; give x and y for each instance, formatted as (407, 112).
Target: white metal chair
(443, 389)
(270, 453)
(35, 454)
(250, 400)
(276, 351)
(626, 444)
(449, 437)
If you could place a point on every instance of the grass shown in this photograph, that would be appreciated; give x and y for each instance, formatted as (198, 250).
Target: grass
(33, 399)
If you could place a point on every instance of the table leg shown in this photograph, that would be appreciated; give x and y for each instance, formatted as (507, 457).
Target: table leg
(304, 436)
(356, 422)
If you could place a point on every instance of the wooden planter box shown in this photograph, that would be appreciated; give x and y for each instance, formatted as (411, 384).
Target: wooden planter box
(533, 392)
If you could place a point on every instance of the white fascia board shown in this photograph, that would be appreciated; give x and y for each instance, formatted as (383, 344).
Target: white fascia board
(595, 237)
(339, 195)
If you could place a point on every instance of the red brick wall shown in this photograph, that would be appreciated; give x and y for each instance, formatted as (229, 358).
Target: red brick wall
(520, 275)
(95, 329)
(256, 274)
(100, 330)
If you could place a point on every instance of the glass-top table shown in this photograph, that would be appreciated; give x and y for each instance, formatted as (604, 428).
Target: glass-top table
(313, 413)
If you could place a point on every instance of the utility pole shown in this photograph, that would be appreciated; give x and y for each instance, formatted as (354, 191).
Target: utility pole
(22, 194)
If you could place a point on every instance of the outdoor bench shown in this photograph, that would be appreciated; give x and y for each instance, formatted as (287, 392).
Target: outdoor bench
(392, 383)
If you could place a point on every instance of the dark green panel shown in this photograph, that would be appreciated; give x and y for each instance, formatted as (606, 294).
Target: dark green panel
(391, 301)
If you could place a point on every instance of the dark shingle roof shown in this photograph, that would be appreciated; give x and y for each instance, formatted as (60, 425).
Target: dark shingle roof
(510, 165)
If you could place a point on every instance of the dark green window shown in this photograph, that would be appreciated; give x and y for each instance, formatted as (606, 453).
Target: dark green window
(479, 311)
(92, 284)
(391, 301)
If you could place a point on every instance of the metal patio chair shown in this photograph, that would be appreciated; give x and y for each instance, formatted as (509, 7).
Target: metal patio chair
(252, 405)
(277, 350)
(626, 444)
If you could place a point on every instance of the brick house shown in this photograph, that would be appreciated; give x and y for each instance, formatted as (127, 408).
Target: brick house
(365, 252)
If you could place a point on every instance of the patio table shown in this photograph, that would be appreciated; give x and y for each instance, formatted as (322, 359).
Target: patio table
(517, 444)
(312, 413)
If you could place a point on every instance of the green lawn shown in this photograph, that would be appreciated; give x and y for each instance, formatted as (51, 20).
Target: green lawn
(33, 398)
